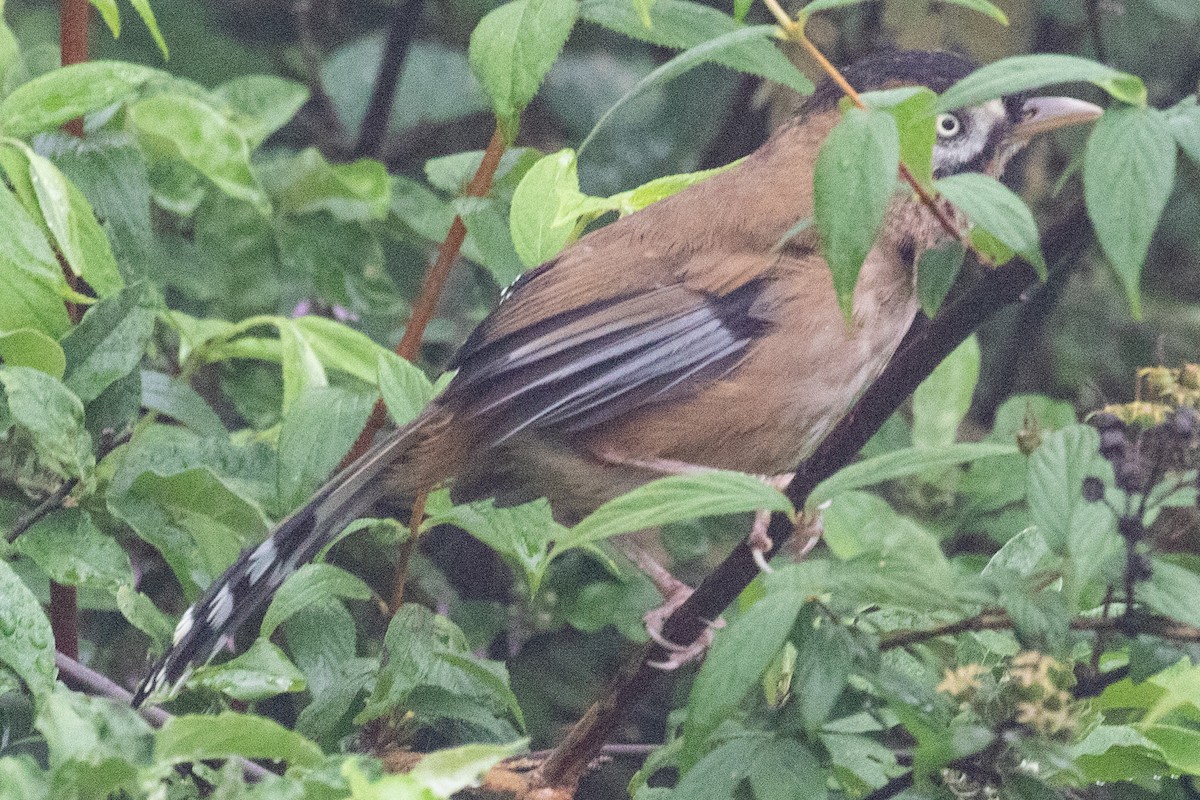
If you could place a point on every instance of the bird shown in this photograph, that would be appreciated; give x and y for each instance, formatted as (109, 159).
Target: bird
(695, 333)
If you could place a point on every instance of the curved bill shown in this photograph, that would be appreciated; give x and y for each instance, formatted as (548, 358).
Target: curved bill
(1051, 113)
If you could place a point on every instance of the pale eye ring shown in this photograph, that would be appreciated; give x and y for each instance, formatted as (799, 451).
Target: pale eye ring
(947, 126)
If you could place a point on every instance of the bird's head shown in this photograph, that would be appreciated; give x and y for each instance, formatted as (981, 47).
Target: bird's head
(981, 138)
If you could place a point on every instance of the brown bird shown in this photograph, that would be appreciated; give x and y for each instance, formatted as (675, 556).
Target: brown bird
(689, 334)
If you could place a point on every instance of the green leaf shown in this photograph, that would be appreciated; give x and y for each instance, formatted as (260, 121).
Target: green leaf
(997, 209)
(514, 46)
(823, 661)
(942, 400)
(1183, 119)
(110, 15)
(72, 224)
(356, 192)
(262, 671)
(522, 534)
(901, 464)
(913, 108)
(199, 737)
(318, 430)
(1023, 73)
(53, 416)
(140, 611)
(93, 742)
(689, 59)
(302, 370)
(310, 585)
(982, 6)
(68, 547)
(681, 25)
(185, 128)
(853, 182)
(32, 286)
(1117, 753)
(175, 398)
(142, 7)
(110, 341)
(264, 103)
(1172, 591)
(444, 772)
(26, 643)
(739, 655)
(340, 347)
(27, 347)
(537, 232)
(784, 769)
(487, 226)
(197, 522)
(406, 391)
(1179, 746)
(1128, 174)
(1083, 532)
(49, 100)
(937, 270)
(673, 499)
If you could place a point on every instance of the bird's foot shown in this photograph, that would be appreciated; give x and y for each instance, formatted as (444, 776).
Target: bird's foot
(679, 654)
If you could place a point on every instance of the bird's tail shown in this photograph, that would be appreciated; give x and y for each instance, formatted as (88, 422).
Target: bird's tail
(248, 585)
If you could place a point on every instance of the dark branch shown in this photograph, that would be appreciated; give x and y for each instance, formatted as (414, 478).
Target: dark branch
(401, 31)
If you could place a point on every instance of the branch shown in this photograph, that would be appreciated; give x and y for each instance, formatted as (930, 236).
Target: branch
(379, 110)
(51, 503)
(84, 679)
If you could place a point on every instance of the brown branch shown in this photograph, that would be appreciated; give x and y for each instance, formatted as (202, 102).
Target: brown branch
(431, 289)
(84, 679)
(374, 126)
(51, 503)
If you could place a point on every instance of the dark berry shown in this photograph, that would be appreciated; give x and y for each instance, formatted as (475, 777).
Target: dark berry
(1093, 489)
(1106, 421)
(1183, 422)
(1113, 443)
(1131, 528)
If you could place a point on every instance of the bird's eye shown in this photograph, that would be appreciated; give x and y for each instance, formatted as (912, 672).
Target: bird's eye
(948, 125)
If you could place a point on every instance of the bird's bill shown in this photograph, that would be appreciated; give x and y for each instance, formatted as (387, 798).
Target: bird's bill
(1051, 113)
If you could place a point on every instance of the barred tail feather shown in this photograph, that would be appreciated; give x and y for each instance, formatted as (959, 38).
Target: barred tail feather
(249, 584)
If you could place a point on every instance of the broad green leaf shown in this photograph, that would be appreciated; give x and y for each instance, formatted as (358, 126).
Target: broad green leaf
(739, 655)
(1024, 73)
(486, 219)
(1183, 119)
(142, 7)
(522, 534)
(1172, 591)
(11, 64)
(302, 370)
(318, 430)
(913, 108)
(262, 671)
(142, 614)
(27, 347)
(49, 100)
(91, 741)
(1083, 532)
(70, 220)
(53, 416)
(183, 127)
(942, 400)
(901, 464)
(32, 286)
(199, 737)
(175, 398)
(444, 772)
(26, 643)
(674, 499)
(937, 269)
(110, 341)
(420, 210)
(1117, 753)
(661, 188)
(197, 522)
(310, 585)
(68, 547)
(718, 774)
(1179, 746)
(406, 391)
(688, 59)
(982, 6)
(1128, 174)
(823, 660)
(853, 182)
(784, 769)
(537, 233)
(358, 191)
(265, 103)
(997, 209)
(512, 49)
(322, 641)
(340, 347)
(681, 25)
(21, 777)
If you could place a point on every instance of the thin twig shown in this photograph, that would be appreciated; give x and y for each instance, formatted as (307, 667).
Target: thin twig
(374, 127)
(87, 680)
(51, 503)
(1096, 30)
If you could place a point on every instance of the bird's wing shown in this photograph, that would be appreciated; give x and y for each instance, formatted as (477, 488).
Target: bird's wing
(584, 366)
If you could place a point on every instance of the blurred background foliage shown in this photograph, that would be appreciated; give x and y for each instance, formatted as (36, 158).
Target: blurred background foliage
(1073, 340)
